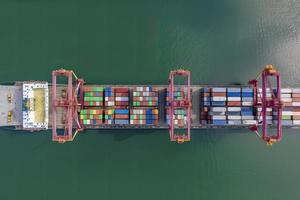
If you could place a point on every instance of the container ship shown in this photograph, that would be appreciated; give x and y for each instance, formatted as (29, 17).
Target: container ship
(262, 106)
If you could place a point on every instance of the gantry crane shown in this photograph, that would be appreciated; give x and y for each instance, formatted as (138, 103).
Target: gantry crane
(185, 103)
(273, 102)
(72, 101)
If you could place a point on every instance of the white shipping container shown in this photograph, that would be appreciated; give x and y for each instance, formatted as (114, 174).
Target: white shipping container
(244, 103)
(234, 122)
(218, 109)
(221, 117)
(218, 89)
(286, 90)
(296, 90)
(296, 103)
(110, 103)
(233, 89)
(260, 90)
(247, 117)
(234, 109)
(296, 113)
(234, 117)
(286, 113)
(219, 98)
(267, 117)
(247, 99)
(296, 122)
(259, 95)
(234, 98)
(122, 99)
(286, 99)
(286, 95)
(268, 109)
(249, 122)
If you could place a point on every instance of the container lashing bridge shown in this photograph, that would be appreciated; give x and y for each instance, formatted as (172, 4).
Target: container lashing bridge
(185, 104)
(261, 100)
(72, 102)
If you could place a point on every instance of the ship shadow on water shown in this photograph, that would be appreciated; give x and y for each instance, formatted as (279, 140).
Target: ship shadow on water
(124, 134)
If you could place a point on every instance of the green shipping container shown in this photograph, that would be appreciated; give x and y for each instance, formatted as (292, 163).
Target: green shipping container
(97, 89)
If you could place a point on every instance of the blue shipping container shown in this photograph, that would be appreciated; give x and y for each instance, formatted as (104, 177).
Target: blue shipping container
(246, 90)
(247, 94)
(235, 113)
(121, 121)
(233, 94)
(218, 103)
(246, 113)
(219, 122)
(121, 111)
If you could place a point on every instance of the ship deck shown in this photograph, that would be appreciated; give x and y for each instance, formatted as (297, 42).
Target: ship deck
(15, 106)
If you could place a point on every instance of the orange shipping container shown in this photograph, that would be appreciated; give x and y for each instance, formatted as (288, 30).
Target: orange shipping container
(121, 116)
(234, 103)
(219, 94)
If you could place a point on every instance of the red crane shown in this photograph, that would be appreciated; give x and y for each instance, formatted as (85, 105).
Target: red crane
(273, 102)
(72, 101)
(185, 103)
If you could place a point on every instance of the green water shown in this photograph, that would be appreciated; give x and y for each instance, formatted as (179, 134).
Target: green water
(138, 42)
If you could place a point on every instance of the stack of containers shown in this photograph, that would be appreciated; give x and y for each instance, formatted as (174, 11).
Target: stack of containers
(109, 116)
(222, 106)
(93, 96)
(247, 110)
(145, 96)
(179, 94)
(109, 96)
(121, 96)
(234, 113)
(269, 114)
(121, 116)
(179, 117)
(91, 116)
(217, 113)
(144, 116)
(296, 106)
(204, 105)
(287, 112)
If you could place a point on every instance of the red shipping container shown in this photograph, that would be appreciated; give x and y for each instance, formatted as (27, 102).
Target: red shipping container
(234, 103)
(296, 117)
(296, 109)
(121, 103)
(125, 94)
(296, 99)
(87, 89)
(121, 90)
(99, 121)
(121, 116)
(297, 95)
(219, 94)
(287, 104)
